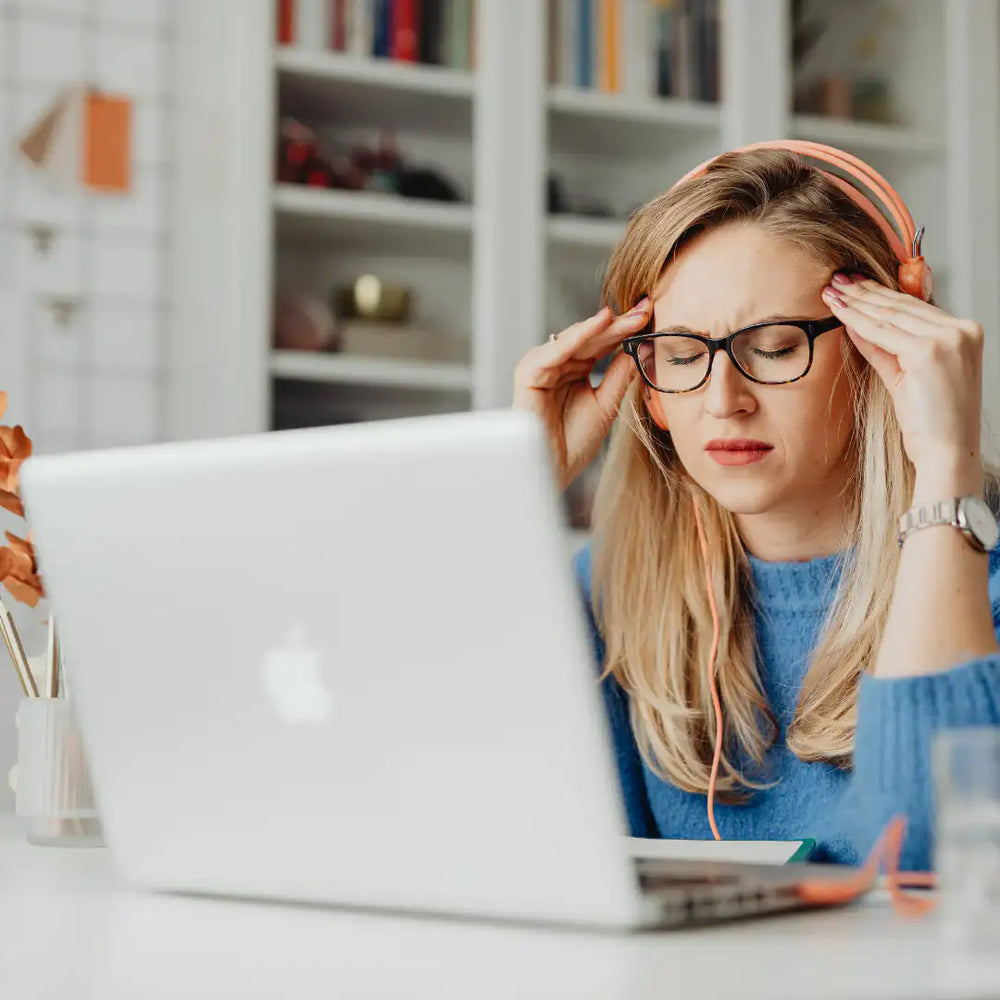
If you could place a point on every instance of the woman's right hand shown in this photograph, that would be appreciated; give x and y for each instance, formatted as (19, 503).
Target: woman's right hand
(553, 381)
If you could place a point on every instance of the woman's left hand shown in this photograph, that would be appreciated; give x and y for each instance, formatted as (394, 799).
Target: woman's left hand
(932, 365)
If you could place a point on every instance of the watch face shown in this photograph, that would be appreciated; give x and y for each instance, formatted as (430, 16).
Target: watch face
(981, 521)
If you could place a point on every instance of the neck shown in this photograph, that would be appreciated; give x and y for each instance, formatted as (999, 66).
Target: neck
(805, 530)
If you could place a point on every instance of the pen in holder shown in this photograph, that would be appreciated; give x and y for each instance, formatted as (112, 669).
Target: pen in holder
(54, 795)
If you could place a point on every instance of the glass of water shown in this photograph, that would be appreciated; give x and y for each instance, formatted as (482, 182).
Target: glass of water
(967, 788)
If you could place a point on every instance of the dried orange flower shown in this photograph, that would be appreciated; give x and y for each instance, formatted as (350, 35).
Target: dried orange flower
(18, 568)
(21, 577)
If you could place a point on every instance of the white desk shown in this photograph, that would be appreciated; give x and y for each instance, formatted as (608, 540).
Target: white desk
(69, 929)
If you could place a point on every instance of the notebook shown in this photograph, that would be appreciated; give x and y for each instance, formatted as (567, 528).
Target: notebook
(768, 852)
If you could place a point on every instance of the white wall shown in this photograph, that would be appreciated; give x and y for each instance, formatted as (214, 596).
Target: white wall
(98, 380)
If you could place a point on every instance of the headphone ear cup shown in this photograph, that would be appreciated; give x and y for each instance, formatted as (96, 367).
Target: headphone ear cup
(915, 278)
(655, 408)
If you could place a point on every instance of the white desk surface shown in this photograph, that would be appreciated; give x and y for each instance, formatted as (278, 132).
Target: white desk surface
(70, 929)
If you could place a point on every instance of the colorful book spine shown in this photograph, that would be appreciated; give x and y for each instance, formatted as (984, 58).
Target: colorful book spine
(552, 38)
(585, 44)
(711, 69)
(665, 83)
(568, 35)
(608, 33)
(360, 33)
(430, 32)
(405, 23)
(381, 38)
(285, 24)
(459, 34)
(312, 30)
(681, 51)
(338, 24)
(639, 48)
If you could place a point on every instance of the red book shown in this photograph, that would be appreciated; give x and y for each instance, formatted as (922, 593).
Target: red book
(404, 43)
(286, 22)
(338, 25)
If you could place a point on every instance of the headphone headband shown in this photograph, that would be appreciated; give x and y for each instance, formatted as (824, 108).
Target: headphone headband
(864, 185)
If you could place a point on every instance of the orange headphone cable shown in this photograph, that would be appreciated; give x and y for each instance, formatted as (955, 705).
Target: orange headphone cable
(717, 755)
(888, 848)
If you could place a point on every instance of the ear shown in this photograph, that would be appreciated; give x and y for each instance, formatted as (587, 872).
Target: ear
(655, 408)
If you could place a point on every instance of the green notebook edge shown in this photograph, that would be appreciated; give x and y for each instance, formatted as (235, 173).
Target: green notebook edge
(804, 851)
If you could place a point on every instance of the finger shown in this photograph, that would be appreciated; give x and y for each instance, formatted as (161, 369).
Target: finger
(885, 364)
(611, 391)
(886, 335)
(871, 292)
(595, 339)
(916, 326)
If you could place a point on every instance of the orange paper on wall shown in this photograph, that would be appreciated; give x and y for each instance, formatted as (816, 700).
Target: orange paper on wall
(83, 138)
(106, 143)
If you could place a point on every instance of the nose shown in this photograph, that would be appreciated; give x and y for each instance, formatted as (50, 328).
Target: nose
(727, 392)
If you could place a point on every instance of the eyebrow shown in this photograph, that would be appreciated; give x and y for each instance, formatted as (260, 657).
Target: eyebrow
(773, 318)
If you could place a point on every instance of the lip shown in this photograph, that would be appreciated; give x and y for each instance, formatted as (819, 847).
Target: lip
(737, 451)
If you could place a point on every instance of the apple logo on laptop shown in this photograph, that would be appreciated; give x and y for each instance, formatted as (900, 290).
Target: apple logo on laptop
(293, 680)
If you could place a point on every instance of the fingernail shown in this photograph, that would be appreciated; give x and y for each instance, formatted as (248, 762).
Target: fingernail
(840, 278)
(832, 295)
(639, 307)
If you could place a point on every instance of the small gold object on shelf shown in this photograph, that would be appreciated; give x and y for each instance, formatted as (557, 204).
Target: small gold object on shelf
(371, 298)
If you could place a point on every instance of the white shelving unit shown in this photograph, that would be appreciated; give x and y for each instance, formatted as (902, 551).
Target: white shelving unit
(329, 216)
(868, 137)
(595, 107)
(579, 231)
(376, 77)
(340, 369)
(500, 270)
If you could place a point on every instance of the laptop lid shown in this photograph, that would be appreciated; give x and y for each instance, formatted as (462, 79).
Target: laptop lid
(344, 664)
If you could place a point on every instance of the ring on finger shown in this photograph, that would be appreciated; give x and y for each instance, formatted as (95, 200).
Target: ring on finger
(553, 337)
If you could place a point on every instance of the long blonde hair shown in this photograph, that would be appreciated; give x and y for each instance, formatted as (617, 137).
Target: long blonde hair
(649, 590)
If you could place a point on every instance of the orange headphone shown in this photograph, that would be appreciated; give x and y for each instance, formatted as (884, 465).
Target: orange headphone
(883, 204)
(868, 189)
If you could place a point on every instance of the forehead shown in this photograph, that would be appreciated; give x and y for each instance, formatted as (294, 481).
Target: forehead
(735, 275)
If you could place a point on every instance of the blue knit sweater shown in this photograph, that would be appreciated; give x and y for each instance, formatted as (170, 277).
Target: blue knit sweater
(844, 810)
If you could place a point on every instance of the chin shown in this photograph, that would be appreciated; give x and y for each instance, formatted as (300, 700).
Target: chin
(742, 494)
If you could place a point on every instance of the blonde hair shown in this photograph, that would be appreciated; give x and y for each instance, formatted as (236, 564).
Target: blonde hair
(649, 590)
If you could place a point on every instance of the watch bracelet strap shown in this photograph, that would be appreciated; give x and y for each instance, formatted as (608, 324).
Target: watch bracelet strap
(928, 515)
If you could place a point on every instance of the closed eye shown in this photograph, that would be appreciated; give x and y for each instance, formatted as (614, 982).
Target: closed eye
(781, 352)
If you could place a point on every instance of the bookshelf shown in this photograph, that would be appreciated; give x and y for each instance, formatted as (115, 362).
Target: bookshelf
(498, 268)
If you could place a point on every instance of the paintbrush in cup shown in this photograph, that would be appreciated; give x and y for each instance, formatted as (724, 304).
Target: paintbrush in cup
(52, 661)
(13, 643)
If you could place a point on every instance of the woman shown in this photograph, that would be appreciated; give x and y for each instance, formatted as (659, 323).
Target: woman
(840, 650)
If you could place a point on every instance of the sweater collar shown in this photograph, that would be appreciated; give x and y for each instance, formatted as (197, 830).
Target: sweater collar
(797, 586)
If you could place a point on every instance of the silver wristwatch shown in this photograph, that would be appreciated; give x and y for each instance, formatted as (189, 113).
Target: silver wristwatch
(969, 514)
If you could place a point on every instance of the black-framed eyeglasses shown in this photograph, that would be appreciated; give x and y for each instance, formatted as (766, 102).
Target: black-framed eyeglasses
(768, 353)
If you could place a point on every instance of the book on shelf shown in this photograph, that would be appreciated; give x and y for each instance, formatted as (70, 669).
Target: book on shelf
(643, 48)
(399, 341)
(434, 32)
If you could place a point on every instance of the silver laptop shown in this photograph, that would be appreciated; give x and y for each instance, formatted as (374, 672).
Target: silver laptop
(349, 665)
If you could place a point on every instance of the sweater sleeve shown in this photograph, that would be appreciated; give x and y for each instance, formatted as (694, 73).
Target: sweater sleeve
(897, 720)
(633, 787)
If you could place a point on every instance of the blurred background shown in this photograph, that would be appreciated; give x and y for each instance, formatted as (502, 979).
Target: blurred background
(232, 216)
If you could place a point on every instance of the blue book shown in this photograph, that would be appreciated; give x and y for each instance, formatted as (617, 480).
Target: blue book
(383, 28)
(585, 43)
